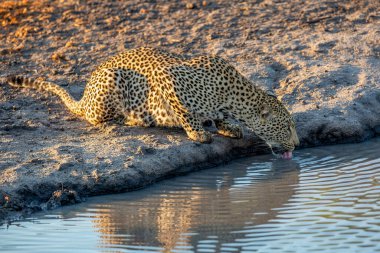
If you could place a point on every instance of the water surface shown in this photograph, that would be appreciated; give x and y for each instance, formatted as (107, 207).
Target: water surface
(326, 199)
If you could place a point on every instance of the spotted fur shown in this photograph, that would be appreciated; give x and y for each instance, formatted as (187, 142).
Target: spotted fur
(151, 87)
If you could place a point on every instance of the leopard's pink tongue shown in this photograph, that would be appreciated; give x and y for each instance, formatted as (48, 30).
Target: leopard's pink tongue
(287, 155)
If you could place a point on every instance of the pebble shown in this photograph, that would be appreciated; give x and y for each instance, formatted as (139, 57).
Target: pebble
(190, 6)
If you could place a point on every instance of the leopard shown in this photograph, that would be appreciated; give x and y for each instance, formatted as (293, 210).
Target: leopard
(152, 87)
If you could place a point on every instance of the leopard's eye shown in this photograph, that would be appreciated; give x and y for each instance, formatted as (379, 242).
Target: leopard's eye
(289, 131)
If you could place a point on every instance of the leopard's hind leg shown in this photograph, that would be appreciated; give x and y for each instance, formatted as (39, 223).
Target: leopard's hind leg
(104, 99)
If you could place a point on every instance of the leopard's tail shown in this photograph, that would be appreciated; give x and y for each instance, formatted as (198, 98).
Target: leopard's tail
(23, 82)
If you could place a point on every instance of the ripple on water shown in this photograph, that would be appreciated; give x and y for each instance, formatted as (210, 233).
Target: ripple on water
(326, 200)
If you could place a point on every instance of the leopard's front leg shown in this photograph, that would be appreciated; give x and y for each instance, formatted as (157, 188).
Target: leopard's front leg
(194, 129)
(171, 90)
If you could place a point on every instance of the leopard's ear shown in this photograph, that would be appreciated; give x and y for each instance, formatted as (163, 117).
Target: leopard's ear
(271, 93)
(265, 111)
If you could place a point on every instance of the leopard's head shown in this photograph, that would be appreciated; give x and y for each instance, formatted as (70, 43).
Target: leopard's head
(273, 123)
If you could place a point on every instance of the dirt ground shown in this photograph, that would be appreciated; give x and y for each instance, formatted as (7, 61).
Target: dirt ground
(321, 58)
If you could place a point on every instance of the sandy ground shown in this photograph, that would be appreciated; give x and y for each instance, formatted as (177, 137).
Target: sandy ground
(321, 58)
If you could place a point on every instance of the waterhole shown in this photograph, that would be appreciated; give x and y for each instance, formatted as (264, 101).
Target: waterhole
(326, 199)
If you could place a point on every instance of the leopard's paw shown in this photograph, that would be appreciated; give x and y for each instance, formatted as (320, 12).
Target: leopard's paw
(200, 136)
(230, 130)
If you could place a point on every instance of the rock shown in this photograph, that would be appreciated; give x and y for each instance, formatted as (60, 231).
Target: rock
(190, 6)
(63, 197)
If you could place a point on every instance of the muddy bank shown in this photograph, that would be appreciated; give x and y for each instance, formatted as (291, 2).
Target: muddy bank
(64, 172)
(321, 59)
